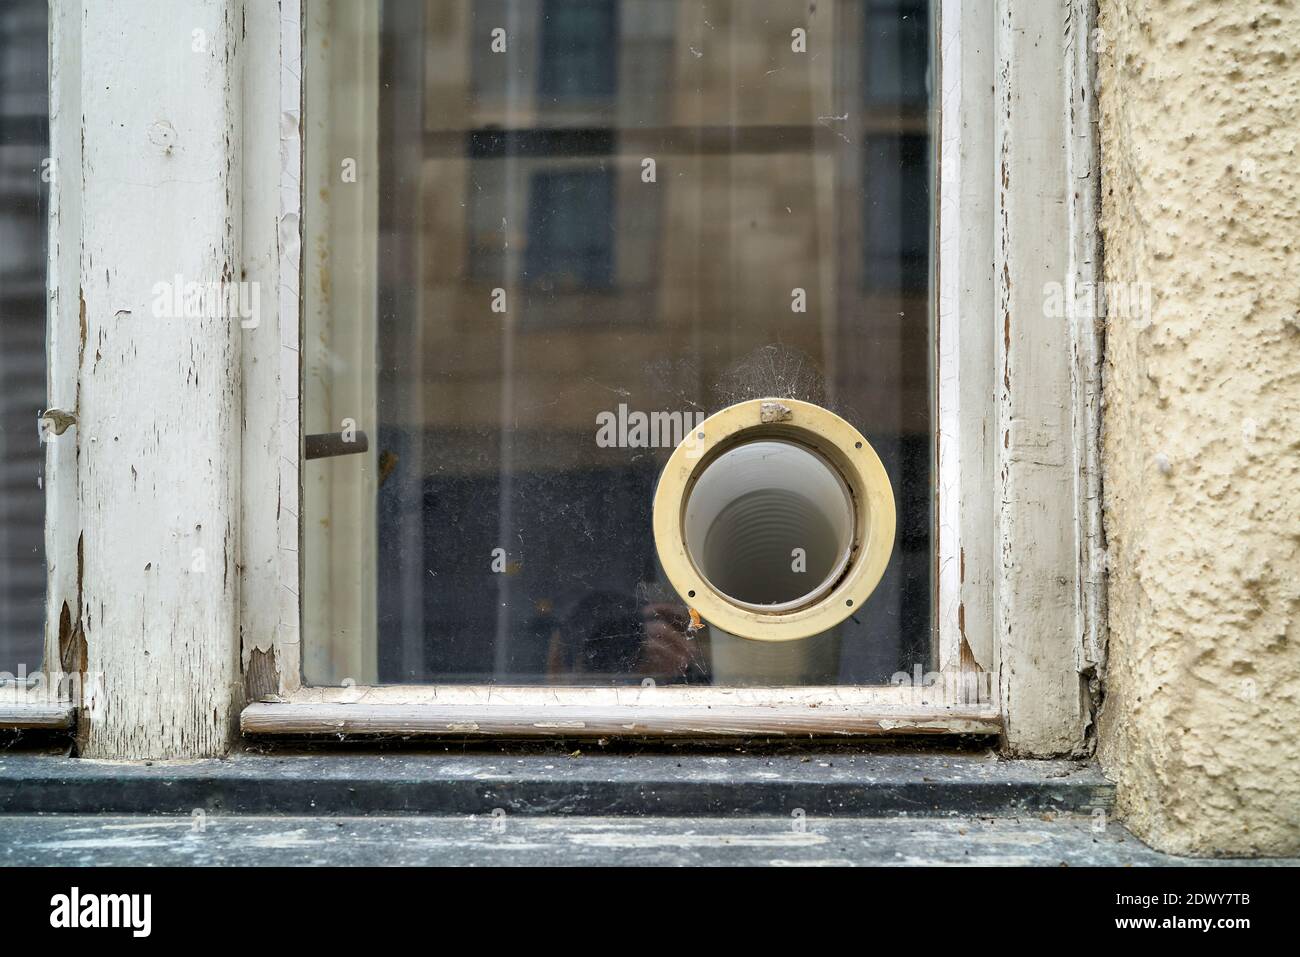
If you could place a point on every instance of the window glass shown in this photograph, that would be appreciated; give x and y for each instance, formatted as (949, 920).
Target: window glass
(564, 217)
(24, 176)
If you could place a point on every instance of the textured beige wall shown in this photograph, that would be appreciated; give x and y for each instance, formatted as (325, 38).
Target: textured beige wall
(1200, 123)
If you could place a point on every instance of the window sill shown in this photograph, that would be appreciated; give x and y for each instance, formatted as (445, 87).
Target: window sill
(22, 716)
(549, 720)
(821, 783)
(600, 841)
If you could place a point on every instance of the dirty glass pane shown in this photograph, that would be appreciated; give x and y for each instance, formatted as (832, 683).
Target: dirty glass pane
(24, 175)
(528, 219)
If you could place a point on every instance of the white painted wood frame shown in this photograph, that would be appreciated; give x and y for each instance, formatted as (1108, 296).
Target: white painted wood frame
(172, 516)
(271, 612)
(157, 386)
(946, 707)
(219, 426)
(1018, 590)
(1021, 559)
(1047, 611)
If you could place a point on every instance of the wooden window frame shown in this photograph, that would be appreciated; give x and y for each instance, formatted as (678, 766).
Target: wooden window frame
(1019, 560)
(41, 704)
(1014, 591)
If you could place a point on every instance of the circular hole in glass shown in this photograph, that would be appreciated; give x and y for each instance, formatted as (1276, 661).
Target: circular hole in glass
(769, 524)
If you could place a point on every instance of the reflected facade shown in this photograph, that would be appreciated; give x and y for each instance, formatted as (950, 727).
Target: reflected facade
(588, 219)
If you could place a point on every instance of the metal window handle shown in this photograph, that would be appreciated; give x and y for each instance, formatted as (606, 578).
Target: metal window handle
(326, 445)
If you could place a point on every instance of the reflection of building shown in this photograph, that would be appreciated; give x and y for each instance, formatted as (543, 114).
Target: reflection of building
(651, 185)
(758, 181)
(24, 139)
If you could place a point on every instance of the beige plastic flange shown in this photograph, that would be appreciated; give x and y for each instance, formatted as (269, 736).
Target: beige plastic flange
(843, 447)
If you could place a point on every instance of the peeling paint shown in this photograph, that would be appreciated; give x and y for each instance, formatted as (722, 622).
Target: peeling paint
(163, 645)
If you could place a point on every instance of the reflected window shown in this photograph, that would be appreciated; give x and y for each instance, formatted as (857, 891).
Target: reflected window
(579, 48)
(571, 228)
(896, 235)
(897, 52)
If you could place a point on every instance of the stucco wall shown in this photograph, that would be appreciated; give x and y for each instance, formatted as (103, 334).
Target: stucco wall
(1200, 118)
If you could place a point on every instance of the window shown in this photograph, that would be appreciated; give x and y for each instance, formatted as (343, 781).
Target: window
(556, 247)
(579, 48)
(571, 228)
(896, 239)
(556, 182)
(24, 175)
(896, 52)
(505, 266)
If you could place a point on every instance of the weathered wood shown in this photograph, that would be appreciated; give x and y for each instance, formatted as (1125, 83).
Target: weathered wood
(46, 716)
(553, 720)
(288, 647)
(1038, 617)
(966, 531)
(158, 430)
(1087, 334)
(944, 692)
(1019, 548)
(947, 706)
(63, 336)
(271, 249)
